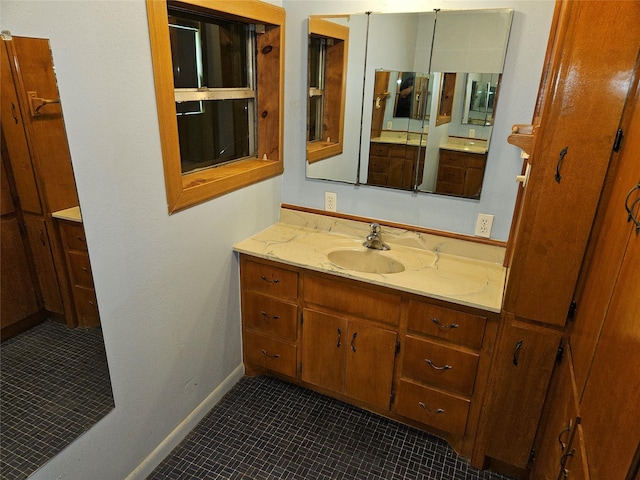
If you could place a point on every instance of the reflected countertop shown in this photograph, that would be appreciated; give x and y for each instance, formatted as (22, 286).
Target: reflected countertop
(401, 138)
(451, 269)
(465, 145)
(72, 214)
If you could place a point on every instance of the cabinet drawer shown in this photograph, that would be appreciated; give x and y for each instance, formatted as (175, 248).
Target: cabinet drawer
(450, 157)
(80, 269)
(397, 151)
(450, 174)
(440, 410)
(381, 149)
(86, 306)
(269, 315)
(73, 236)
(457, 327)
(439, 365)
(270, 280)
(273, 355)
(476, 160)
(350, 299)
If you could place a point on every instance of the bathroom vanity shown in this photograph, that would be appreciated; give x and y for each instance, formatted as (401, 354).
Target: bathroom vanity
(415, 345)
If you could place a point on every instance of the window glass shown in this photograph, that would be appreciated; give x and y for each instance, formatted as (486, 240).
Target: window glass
(212, 68)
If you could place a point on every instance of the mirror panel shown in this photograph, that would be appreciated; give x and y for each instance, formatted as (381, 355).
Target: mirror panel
(451, 108)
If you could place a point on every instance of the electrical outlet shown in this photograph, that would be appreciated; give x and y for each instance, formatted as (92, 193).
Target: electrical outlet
(483, 225)
(331, 201)
(389, 125)
(472, 133)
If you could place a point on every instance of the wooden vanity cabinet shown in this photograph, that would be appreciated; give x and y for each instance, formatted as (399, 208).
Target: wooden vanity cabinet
(418, 361)
(460, 173)
(395, 165)
(80, 276)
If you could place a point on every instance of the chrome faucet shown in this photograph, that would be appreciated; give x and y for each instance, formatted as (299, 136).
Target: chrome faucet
(374, 240)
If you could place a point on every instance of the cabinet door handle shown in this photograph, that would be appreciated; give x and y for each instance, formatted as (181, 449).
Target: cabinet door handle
(268, 317)
(516, 352)
(444, 327)
(430, 411)
(42, 239)
(353, 341)
(563, 463)
(563, 152)
(565, 430)
(436, 367)
(275, 280)
(339, 338)
(270, 355)
(13, 113)
(630, 209)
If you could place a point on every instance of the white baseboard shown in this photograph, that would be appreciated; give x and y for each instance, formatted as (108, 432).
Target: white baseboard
(177, 435)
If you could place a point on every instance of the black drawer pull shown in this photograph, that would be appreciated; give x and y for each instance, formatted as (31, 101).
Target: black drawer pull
(516, 352)
(563, 152)
(444, 327)
(436, 367)
(565, 430)
(275, 280)
(430, 411)
(270, 355)
(339, 338)
(269, 317)
(353, 341)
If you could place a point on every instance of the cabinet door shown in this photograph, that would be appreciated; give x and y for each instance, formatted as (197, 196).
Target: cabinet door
(522, 369)
(571, 155)
(43, 259)
(559, 423)
(609, 405)
(18, 292)
(370, 362)
(324, 345)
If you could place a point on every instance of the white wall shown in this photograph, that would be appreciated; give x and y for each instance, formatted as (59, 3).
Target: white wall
(523, 66)
(167, 286)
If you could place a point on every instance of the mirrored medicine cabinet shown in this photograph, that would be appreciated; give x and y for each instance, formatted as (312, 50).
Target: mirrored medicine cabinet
(421, 95)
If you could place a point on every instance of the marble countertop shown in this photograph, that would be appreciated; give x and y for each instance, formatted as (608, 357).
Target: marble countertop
(401, 138)
(454, 270)
(464, 145)
(72, 214)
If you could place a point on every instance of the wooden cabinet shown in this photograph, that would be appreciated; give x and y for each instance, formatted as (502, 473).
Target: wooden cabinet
(79, 268)
(401, 355)
(441, 352)
(39, 160)
(460, 173)
(571, 153)
(20, 292)
(394, 165)
(269, 318)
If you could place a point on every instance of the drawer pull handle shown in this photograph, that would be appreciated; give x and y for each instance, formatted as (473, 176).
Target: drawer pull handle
(270, 355)
(566, 430)
(563, 463)
(353, 341)
(266, 315)
(42, 240)
(444, 327)
(563, 152)
(275, 280)
(85, 269)
(430, 411)
(436, 367)
(516, 352)
(81, 239)
(339, 338)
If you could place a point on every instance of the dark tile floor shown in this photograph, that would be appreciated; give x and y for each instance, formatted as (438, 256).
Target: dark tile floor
(54, 385)
(268, 429)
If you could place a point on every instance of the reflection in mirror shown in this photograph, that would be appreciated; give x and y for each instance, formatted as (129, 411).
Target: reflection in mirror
(480, 96)
(327, 71)
(55, 380)
(467, 44)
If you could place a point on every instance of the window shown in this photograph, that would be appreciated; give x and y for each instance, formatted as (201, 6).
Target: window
(327, 66)
(218, 69)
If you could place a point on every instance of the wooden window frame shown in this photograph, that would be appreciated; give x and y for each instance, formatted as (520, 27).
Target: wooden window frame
(335, 90)
(186, 190)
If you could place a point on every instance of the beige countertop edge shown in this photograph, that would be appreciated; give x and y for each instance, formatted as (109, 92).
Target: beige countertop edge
(462, 148)
(72, 214)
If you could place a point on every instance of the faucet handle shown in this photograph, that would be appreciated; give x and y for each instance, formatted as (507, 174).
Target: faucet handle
(375, 228)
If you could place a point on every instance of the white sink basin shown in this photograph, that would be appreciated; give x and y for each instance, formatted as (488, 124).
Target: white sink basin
(366, 261)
